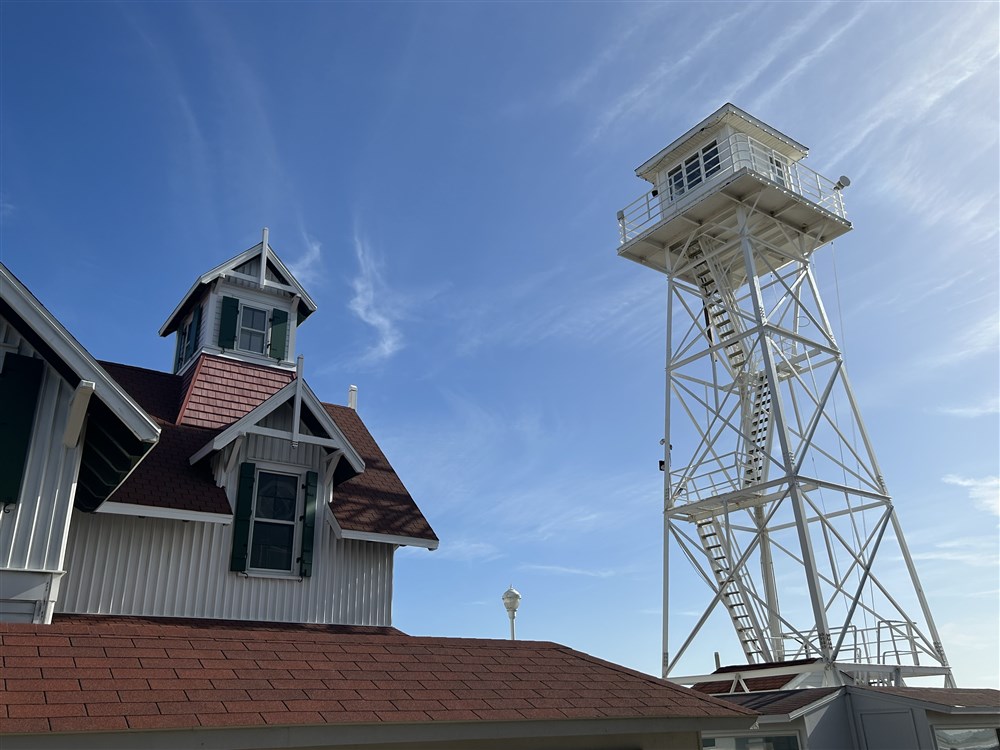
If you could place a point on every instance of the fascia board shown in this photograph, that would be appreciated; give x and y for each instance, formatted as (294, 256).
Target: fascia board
(407, 541)
(395, 734)
(76, 358)
(818, 703)
(207, 278)
(174, 514)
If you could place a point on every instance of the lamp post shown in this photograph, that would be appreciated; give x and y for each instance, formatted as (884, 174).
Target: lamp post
(511, 600)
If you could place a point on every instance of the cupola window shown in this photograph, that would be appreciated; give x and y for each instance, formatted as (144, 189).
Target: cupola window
(253, 329)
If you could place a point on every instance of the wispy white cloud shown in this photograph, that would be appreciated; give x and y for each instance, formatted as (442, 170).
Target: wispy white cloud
(973, 341)
(563, 570)
(464, 550)
(984, 491)
(644, 94)
(806, 60)
(373, 304)
(982, 409)
(949, 61)
(976, 552)
(778, 49)
(308, 267)
(621, 40)
(7, 209)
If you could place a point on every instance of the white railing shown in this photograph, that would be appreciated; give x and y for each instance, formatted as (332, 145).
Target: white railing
(739, 151)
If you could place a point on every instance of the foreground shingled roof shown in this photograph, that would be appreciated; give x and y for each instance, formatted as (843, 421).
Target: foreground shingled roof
(91, 673)
(374, 501)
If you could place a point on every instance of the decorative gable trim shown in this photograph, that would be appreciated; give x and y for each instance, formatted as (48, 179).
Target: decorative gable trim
(299, 390)
(262, 250)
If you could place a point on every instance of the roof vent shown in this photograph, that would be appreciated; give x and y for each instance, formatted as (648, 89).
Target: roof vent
(352, 397)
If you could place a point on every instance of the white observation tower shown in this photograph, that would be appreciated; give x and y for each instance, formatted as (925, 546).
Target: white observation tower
(772, 491)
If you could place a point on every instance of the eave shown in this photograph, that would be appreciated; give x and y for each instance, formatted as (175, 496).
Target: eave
(119, 434)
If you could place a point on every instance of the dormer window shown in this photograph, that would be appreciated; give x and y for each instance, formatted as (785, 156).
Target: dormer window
(253, 329)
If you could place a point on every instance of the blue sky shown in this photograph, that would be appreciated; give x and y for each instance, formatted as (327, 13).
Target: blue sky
(444, 177)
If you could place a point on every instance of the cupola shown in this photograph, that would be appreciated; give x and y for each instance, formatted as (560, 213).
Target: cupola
(247, 308)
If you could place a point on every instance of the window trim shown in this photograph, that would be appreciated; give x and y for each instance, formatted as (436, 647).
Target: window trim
(296, 522)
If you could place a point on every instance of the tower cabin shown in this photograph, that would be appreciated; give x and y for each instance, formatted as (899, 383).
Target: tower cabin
(708, 176)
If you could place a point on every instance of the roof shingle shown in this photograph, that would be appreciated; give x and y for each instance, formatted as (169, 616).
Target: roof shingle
(141, 673)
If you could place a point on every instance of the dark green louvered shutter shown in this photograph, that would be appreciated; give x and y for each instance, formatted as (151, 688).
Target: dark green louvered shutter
(279, 333)
(179, 350)
(308, 525)
(227, 326)
(241, 520)
(20, 382)
(193, 335)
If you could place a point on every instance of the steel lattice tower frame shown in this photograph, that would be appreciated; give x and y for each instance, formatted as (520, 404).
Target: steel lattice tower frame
(772, 484)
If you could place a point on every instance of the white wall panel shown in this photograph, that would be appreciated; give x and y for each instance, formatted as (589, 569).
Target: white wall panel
(159, 567)
(33, 531)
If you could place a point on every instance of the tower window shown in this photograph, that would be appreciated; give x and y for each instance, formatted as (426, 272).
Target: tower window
(694, 170)
(253, 329)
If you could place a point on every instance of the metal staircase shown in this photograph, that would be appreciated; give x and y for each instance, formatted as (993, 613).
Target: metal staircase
(718, 303)
(734, 598)
(756, 429)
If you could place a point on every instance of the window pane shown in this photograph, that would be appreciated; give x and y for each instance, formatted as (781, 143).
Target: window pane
(254, 318)
(276, 496)
(676, 180)
(966, 739)
(710, 156)
(251, 341)
(692, 171)
(272, 546)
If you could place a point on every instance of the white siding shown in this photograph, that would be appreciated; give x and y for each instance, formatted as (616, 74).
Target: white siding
(33, 532)
(158, 567)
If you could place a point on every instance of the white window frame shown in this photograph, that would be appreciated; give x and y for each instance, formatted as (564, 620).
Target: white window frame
(296, 523)
(266, 332)
(692, 171)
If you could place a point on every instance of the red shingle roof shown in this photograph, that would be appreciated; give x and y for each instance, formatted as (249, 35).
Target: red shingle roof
(107, 673)
(220, 391)
(374, 501)
(376, 498)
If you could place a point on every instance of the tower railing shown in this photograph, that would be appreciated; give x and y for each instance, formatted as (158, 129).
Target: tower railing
(738, 152)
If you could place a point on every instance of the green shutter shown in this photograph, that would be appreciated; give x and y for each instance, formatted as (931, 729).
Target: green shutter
(279, 333)
(179, 350)
(193, 335)
(227, 327)
(308, 525)
(241, 520)
(20, 382)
